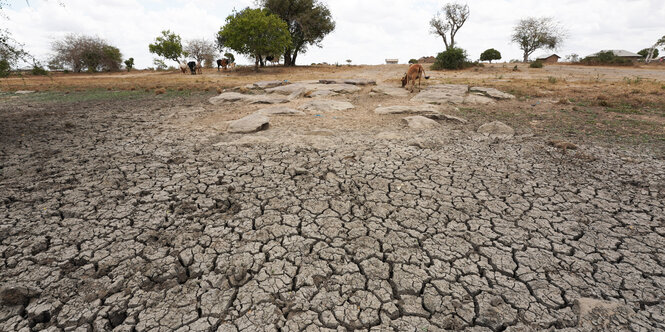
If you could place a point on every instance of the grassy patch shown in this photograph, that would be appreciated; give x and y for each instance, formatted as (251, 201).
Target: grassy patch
(103, 95)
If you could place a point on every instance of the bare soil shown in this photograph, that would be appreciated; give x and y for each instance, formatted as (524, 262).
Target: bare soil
(125, 210)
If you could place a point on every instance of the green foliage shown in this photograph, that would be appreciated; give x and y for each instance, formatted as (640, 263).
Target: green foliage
(168, 46)
(607, 58)
(38, 70)
(159, 64)
(412, 61)
(490, 54)
(255, 32)
(551, 79)
(536, 64)
(230, 56)
(308, 22)
(645, 52)
(129, 63)
(5, 69)
(79, 52)
(453, 58)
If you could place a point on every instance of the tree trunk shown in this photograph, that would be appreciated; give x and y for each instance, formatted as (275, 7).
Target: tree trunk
(526, 57)
(293, 59)
(256, 64)
(287, 58)
(263, 64)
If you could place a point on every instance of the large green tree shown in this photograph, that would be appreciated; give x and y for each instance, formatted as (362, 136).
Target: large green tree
(490, 54)
(168, 46)
(256, 33)
(309, 21)
(534, 33)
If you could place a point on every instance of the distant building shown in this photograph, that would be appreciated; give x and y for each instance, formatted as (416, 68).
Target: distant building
(621, 54)
(392, 61)
(427, 59)
(548, 58)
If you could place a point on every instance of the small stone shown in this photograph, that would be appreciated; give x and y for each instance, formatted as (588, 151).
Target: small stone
(249, 124)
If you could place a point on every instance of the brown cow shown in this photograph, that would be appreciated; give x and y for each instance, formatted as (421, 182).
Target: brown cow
(222, 63)
(415, 71)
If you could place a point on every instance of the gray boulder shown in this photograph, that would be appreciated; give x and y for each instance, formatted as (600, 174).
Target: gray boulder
(249, 124)
(496, 129)
(420, 122)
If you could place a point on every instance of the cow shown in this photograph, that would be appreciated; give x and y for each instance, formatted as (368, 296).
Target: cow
(199, 68)
(183, 67)
(192, 67)
(415, 71)
(222, 63)
(271, 59)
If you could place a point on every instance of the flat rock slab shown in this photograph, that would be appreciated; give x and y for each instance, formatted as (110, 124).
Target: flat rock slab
(249, 124)
(338, 88)
(23, 92)
(390, 91)
(446, 117)
(439, 97)
(354, 81)
(496, 129)
(323, 105)
(322, 93)
(417, 109)
(269, 84)
(492, 92)
(235, 97)
(478, 100)
(279, 110)
(419, 122)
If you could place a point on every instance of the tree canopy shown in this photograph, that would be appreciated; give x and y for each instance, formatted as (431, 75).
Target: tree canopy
(534, 33)
(79, 52)
(168, 46)
(255, 33)
(490, 54)
(449, 21)
(200, 49)
(645, 52)
(308, 22)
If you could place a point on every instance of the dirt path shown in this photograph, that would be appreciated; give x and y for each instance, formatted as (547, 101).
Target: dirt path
(141, 215)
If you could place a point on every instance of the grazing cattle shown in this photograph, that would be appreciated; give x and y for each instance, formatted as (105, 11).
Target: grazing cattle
(233, 66)
(192, 67)
(199, 68)
(270, 59)
(183, 67)
(415, 71)
(222, 63)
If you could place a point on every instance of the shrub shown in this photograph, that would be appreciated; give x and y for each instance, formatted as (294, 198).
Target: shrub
(606, 58)
(39, 71)
(453, 58)
(536, 64)
(4, 68)
(412, 61)
(490, 54)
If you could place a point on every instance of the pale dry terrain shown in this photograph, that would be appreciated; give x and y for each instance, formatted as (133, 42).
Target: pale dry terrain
(125, 210)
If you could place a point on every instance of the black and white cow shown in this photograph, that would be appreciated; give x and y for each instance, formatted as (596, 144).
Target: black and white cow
(192, 67)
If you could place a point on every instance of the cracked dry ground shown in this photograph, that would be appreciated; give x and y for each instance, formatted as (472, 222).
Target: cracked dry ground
(115, 217)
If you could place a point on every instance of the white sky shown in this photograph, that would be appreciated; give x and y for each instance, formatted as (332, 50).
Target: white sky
(367, 32)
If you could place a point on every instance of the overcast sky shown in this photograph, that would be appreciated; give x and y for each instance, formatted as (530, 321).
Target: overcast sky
(367, 32)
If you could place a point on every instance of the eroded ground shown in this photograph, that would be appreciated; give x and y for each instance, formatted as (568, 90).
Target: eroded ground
(145, 215)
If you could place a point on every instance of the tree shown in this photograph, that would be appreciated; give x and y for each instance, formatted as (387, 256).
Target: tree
(448, 21)
(230, 56)
(129, 63)
(200, 49)
(490, 54)
(654, 49)
(535, 33)
(645, 52)
(159, 64)
(308, 21)
(79, 52)
(572, 58)
(255, 33)
(168, 46)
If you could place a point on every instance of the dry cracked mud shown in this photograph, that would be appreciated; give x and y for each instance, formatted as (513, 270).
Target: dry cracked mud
(117, 217)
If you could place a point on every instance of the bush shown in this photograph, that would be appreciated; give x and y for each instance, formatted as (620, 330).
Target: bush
(490, 54)
(453, 58)
(536, 64)
(39, 71)
(5, 70)
(606, 58)
(412, 61)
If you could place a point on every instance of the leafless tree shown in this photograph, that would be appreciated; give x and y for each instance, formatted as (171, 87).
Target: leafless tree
(659, 43)
(79, 52)
(448, 21)
(200, 49)
(534, 33)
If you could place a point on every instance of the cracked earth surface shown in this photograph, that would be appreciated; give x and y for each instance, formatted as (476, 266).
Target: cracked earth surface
(116, 217)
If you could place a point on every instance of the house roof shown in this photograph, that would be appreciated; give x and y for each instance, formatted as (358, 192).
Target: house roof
(619, 53)
(545, 56)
